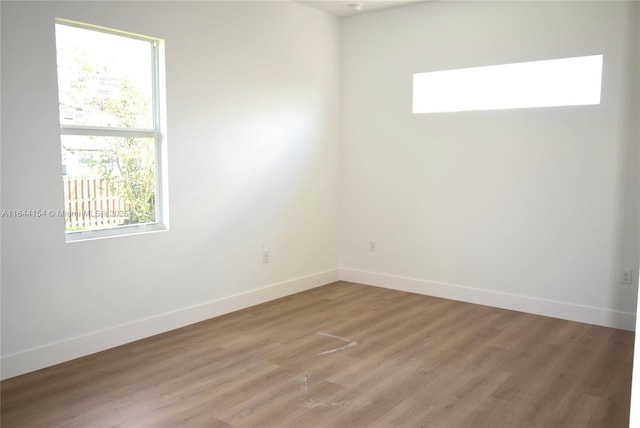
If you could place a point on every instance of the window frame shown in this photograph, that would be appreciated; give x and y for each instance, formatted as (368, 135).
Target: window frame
(157, 133)
(513, 86)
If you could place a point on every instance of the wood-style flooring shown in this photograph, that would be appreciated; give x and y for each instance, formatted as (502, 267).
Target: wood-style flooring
(343, 355)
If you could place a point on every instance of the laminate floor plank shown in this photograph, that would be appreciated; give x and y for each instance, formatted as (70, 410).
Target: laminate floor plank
(343, 355)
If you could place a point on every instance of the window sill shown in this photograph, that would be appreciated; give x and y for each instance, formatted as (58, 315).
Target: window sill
(92, 235)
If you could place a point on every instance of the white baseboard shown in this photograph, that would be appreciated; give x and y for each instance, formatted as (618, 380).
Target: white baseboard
(54, 353)
(533, 305)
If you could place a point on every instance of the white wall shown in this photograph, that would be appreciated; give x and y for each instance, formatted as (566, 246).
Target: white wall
(533, 209)
(634, 417)
(253, 116)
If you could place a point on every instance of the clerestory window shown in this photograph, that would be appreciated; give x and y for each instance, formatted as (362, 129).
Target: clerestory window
(549, 83)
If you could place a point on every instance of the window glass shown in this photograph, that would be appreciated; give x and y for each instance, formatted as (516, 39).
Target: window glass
(558, 82)
(104, 79)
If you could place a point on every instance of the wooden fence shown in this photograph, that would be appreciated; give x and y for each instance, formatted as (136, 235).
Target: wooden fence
(89, 203)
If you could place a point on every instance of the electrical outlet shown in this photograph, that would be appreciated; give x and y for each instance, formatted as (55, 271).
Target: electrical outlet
(627, 276)
(265, 256)
(372, 246)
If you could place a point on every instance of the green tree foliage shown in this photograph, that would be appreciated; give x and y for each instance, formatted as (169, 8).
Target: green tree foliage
(128, 164)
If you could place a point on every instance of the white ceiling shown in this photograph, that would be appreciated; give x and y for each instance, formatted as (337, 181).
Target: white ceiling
(342, 9)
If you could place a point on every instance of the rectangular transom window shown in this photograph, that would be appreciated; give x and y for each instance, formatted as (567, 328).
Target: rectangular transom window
(109, 90)
(549, 83)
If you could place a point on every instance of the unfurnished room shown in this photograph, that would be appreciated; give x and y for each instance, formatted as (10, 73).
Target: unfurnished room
(319, 213)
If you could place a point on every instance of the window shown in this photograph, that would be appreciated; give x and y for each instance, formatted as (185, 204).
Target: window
(111, 131)
(558, 82)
